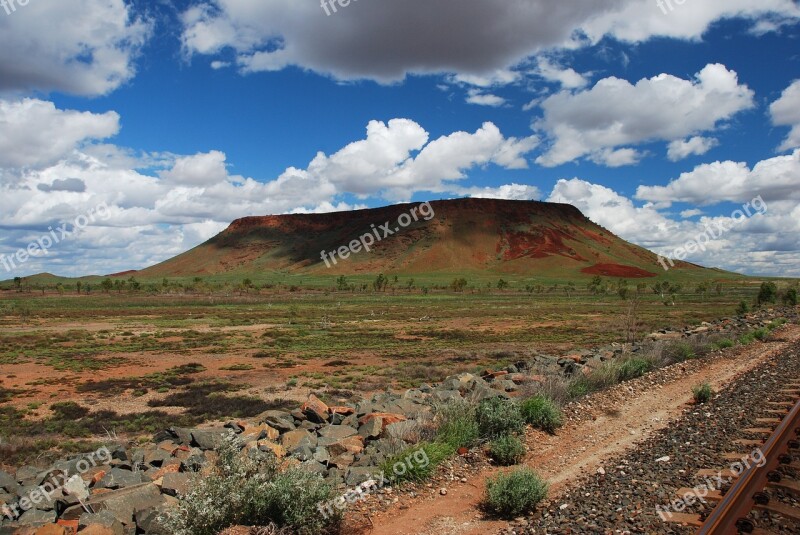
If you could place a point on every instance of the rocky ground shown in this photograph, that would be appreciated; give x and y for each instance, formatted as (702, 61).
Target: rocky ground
(346, 444)
(622, 496)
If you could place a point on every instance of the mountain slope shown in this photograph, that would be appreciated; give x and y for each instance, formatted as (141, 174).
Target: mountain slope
(462, 236)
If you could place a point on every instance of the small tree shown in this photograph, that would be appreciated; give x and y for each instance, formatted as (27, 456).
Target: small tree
(134, 285)
(381, 282)
(596, 285)
(106, 285)
(458, 285)
(790, 298)
(630, 317)
(17, 282)
(341, 283)
(78, 286)
(502, 285)
(569, 288)
(702, 289)
(767, 294)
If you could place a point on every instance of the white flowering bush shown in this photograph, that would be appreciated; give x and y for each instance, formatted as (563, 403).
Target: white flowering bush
(249, 490)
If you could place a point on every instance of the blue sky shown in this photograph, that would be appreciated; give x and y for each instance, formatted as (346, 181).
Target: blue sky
(177, 118)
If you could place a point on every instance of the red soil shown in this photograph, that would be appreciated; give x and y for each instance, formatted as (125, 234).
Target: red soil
(617, 270)
(537, 243)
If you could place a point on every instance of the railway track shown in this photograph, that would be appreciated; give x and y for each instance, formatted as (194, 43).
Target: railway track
(750, 494)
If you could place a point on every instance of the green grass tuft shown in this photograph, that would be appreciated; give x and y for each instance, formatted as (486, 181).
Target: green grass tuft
(542, 413)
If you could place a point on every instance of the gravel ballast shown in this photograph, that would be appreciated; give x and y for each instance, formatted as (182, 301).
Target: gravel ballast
(622, 496)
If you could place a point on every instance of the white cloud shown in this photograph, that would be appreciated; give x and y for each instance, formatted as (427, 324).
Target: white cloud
(697, 145)
(767, 243)
(370, 40)
(500, 77)
(774, 179)
(198, 170)
(86, 47)
(188, 198)
(639, 20)
(514, 192)
(33, 132)
(691, 213)
(786, 112)
(568, 77)
(475, 96)
(616, 158)
(615, 113)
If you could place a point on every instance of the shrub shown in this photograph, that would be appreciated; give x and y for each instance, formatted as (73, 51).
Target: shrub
(742, 309)
(497, 417)
(578, 387)
(634, 367)
(418, 462)
(776, 323)
(747, 338)
(555, 387)
(724, 343)
(514, 493)
(250, 490)
(542, 413)
(702, 393)
(681, 351)
(604, 376)
(457, 425)
(790, 298)
(761, 334)
(507, 450)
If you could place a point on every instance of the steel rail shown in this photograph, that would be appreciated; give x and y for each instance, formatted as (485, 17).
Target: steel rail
(748, 492)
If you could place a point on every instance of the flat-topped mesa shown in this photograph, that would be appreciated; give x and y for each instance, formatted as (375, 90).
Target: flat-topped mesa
(459, 236)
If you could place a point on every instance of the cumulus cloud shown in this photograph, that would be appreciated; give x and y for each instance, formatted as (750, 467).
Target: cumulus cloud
(513, 192)
(370, 40)
(500, 77)
(615, 112)
(568, 77)
(775, 179)
(786, 112)
(475, 96)
(616, 158)
(184, 199)
(33, 132)
(683, 148)
(85, 47)
(75, 185)
(765, 243)
(382, 163)
(639, 20)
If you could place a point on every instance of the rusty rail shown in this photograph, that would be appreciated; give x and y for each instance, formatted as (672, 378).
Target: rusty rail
(730, 515)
